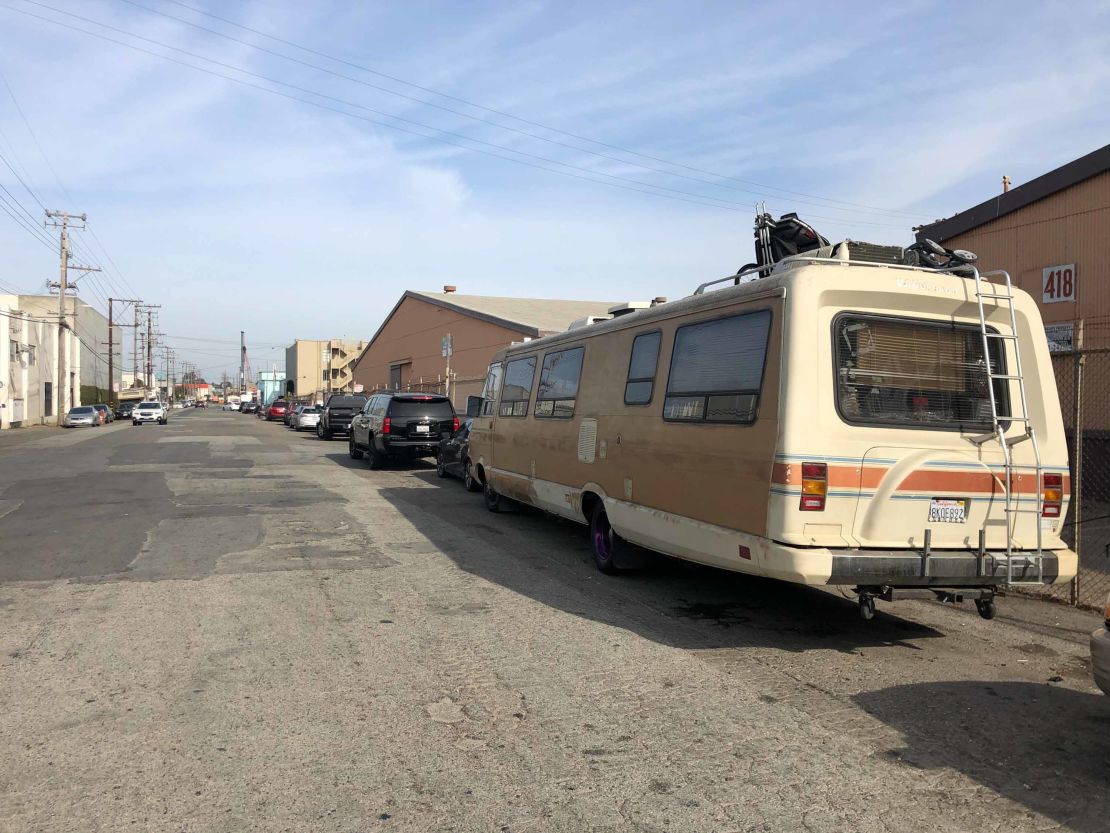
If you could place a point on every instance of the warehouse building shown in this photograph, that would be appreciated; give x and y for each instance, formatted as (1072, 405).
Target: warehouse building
(444, 341)
(1052, 235)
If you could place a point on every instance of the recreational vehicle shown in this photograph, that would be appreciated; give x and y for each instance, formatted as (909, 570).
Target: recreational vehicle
(820, 419)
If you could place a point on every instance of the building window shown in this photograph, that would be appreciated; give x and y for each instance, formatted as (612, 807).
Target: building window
(491, 389)
(518, 387)
(640, 386)
(558, 388)
(717, 369)
(324, 376)
(398, 374)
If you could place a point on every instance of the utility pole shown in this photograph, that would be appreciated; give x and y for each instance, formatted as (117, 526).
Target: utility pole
(242, 361)
(62, 220)
(149, 345)
(111, 344)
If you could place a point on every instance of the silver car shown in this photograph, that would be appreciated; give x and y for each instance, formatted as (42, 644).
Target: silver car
(82, 415)
(308, 417)
(1100, 654)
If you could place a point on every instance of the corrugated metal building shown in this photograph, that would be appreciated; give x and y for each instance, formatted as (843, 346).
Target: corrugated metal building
(1052, 235)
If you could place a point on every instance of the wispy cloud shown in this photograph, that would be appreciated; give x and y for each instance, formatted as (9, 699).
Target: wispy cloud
(232, 206)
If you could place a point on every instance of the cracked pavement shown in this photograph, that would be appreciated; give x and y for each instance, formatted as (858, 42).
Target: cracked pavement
(223, 625)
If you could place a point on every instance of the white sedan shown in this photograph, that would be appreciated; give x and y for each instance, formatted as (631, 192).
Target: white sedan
(1100, 654)
(149, 412)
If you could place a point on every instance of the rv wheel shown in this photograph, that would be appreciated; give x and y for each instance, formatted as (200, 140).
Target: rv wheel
(494, 502)
(603, 540)
(985, 608)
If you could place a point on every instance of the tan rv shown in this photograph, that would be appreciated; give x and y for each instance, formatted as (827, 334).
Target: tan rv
(889, 428)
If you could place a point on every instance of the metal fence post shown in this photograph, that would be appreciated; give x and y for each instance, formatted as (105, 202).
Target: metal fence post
(1077, 475)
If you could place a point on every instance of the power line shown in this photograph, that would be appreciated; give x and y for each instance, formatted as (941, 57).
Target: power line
(724, 179)
(636, 185)
(394, 78)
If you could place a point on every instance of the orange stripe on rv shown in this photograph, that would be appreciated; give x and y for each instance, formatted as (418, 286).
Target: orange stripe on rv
(922, 480)
(844, 477)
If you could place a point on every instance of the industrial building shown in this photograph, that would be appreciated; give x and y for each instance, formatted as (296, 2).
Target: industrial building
(429, 338)
(1052, 234)
(314, 368)
(28, 358)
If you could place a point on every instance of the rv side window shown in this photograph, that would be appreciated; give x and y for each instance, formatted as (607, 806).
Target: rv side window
(915, 373)
(518, 387)
(717, 369)
(491, 389)
(641, 369)
(558, 387)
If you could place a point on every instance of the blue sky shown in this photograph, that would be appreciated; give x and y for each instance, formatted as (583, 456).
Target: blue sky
(235, 208)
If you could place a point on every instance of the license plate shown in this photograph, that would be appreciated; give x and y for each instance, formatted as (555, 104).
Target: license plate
(948, 510)
(423, 429)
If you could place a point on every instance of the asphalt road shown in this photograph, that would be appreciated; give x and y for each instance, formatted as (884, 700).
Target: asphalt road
(222, 625)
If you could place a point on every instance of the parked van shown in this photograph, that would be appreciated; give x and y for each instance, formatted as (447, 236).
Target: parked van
(891, 428)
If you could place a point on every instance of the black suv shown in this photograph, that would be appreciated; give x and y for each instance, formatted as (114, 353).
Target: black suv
(337, 414)
(406, 425)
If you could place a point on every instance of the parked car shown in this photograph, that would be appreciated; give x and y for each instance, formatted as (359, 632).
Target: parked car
(124, 409)
(291, 414)
(248, 408)
(82, 415)
(407, 425)
(453, 458)
(338, 412)
(277, 410)
(308, 417)
(200, 403)
(105, 413)
(150, 411)
(1100, 653)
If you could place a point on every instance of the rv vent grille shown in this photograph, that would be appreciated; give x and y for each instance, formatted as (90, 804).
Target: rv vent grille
(587, 440)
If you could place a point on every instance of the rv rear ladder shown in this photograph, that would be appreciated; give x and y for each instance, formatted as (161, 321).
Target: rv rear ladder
(1018, 565)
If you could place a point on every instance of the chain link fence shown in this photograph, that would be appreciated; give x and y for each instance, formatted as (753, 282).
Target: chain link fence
(1083, 380)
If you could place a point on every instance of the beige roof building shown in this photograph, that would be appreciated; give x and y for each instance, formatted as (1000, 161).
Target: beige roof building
(406, 353)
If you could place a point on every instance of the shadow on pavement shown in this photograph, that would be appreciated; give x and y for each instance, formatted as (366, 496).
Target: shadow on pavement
(672, 602)
(1049, 749)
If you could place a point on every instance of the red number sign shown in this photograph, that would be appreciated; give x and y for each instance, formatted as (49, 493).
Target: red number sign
(1058, 284)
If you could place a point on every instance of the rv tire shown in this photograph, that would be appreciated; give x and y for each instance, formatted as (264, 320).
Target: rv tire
(494, 502)
(985, 607)
(603, 541)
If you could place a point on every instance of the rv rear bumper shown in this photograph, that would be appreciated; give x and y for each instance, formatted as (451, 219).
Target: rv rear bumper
(946, 568)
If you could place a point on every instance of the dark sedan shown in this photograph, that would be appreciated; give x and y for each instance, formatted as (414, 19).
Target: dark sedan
(453, 458)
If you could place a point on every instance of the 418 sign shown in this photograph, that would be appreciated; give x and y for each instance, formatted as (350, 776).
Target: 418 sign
(1058, 284)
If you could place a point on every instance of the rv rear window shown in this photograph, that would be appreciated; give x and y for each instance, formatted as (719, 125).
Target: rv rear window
(558, 388)
(518, 387)
(915, 373)
(717, 369)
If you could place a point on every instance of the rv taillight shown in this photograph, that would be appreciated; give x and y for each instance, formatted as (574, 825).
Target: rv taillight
(455, 425)
(815, 485)
(1052, 495)
(385, 425)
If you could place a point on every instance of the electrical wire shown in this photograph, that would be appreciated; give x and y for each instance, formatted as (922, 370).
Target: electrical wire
(724, 181)
(504, 114)
(618, 181)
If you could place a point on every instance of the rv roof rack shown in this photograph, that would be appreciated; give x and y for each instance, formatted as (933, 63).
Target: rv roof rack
(750, 270)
